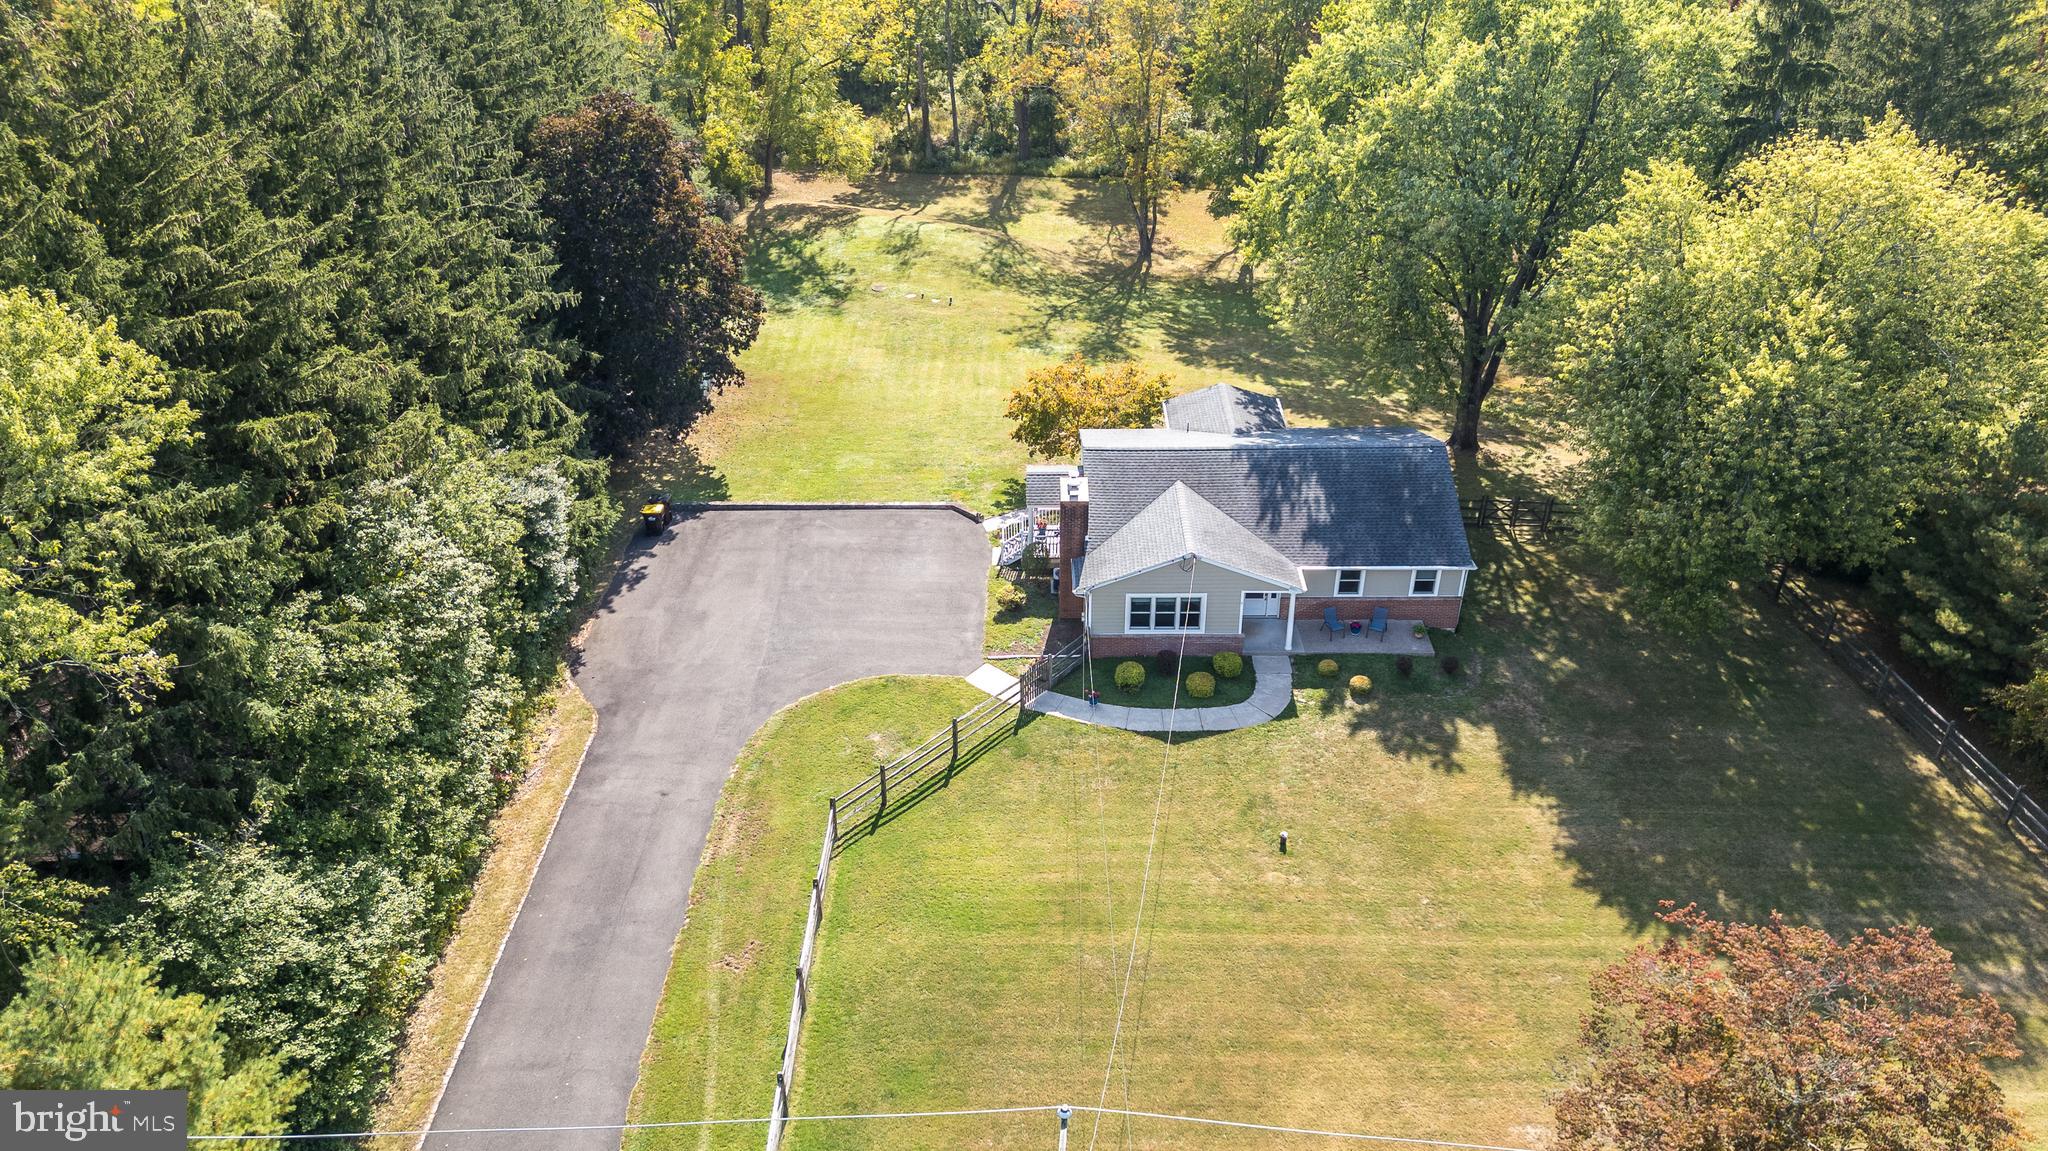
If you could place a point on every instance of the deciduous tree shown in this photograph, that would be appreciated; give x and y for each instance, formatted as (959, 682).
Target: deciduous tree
(661, 299)
(1788, 370)
(1433, 157)
(1056, 402)
(1774, 1037)
(1124, 98)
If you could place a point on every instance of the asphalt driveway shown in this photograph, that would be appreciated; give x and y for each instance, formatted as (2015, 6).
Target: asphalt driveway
(707, 632)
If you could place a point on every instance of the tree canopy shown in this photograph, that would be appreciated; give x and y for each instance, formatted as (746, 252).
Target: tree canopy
(1433, 157)
(1779, 1038)
(661, 307)
(1788, 370)
(86, 1022)
(1054, 403)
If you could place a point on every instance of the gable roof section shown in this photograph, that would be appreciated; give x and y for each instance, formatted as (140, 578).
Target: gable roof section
(1225, 410)
(1179, 523)
(1321, 497)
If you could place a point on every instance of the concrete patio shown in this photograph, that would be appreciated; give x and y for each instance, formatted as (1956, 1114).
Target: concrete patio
(1311, 638)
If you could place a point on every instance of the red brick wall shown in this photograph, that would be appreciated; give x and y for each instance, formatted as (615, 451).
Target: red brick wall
(1144, 646)
(1073, 537)
(1436, 611)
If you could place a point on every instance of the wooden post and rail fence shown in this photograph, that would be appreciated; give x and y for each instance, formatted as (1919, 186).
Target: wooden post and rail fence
(1978, 775)
(1544, 515)
(864, 804)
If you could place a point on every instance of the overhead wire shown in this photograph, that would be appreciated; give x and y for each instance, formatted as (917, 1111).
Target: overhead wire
(1161, 1116)
(1152, 844)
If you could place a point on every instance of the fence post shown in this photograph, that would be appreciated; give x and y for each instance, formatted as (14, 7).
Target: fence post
(832, 822)
(1833, 619)
(882, 783)
(1941, 745)
(1778, 592)
(2012, 806)
(803, 994)
(956, 743)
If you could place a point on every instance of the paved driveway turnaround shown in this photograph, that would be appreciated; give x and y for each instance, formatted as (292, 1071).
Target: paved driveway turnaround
(727, 618)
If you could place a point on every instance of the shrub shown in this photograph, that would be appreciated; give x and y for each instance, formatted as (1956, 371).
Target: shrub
(1201, 685)
(1005, 596)
(1130, 675)
(1405, 665)
(1360, 685)
(1450, 665)
(1327, 668)
(1227, 664)
(1167, 662)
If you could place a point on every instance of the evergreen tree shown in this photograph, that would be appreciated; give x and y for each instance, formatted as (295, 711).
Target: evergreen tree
(86, 1022)
(1785, 72)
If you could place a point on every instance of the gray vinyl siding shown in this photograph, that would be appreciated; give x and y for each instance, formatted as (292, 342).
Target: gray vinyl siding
(1222, 614)
(1392, 583)
(1382, 585)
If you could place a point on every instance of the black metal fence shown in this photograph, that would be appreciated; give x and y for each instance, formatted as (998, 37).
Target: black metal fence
(1543, 515)
(862, 806)
(1965, 762)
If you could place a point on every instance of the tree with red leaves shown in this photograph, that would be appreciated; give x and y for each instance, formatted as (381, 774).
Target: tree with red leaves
(660, 300)
(1745, 1037)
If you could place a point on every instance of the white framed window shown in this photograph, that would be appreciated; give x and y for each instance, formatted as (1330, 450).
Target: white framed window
(1425, 582)
(1350, 581)
(1164, 612)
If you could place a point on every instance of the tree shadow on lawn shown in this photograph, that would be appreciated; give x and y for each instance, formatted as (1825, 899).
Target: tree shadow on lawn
(786, 259)
(1738, 770)
(1001, 200)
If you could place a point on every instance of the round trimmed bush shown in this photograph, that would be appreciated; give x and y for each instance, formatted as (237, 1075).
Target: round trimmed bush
(1227, 664)
(1167, 663)
(1130, 675)
(1201, 685)
(1327, 668)
(1405, 665)
(1006, 597)
(1451, 666)
(1361, 685)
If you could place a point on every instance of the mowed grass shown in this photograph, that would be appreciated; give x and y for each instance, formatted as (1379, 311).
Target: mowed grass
(1158, 690)
(855, 393)
(1465, 854)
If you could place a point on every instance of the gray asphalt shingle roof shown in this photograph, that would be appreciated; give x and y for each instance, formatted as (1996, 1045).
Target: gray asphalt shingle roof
(1225, 410)
(1044, 484)
(1320, 497)
(1179, 523)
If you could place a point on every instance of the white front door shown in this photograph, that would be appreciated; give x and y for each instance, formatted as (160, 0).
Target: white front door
(1261, 605)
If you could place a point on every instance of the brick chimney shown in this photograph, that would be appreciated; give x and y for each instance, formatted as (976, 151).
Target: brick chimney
(1073, 538)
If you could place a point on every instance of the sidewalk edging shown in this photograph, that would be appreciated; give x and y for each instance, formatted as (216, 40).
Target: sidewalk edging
(1272, 694)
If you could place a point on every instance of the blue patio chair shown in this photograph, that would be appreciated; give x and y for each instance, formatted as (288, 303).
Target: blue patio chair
(1379, 623)
(1331, 623)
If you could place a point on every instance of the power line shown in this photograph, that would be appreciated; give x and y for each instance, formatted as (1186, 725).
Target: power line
(1158, 809)
(1305, 1131)
(1271, 1128)
(624, 1126)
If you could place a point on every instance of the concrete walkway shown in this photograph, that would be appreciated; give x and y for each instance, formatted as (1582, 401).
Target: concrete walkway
(1272, 691)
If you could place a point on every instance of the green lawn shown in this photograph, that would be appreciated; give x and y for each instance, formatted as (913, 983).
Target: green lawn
(1466, 853)
(859, 394)
(1019, 631)
(1157, 690)
(1467, 850)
